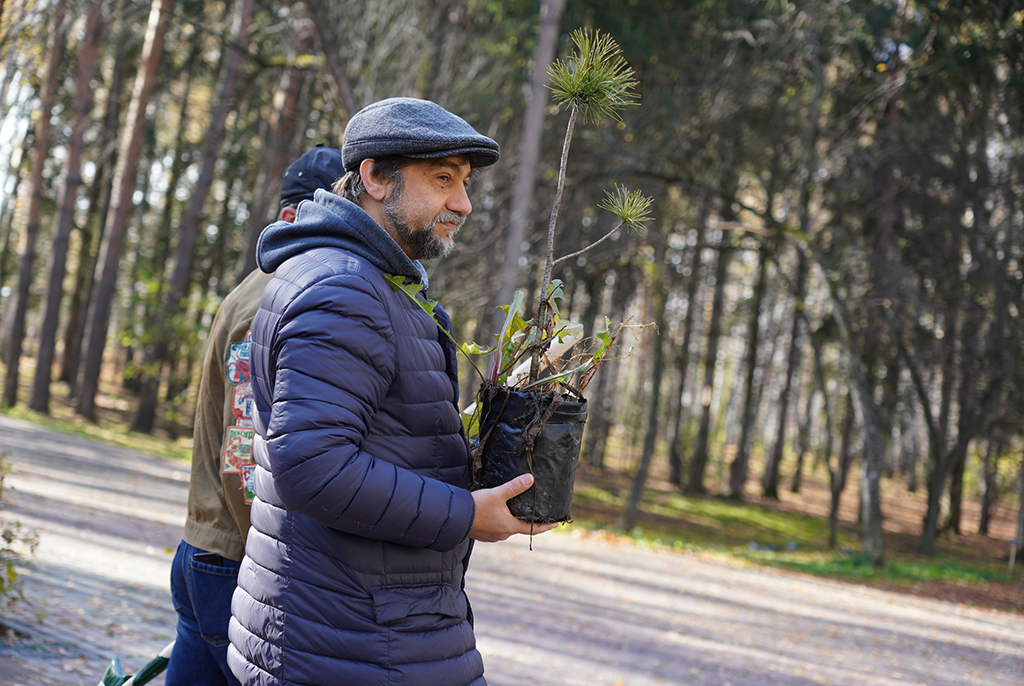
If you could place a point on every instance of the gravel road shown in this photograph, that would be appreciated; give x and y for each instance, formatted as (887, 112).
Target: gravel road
(580, 609)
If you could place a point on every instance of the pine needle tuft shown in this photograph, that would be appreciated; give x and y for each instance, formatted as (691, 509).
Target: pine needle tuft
(633, 208)
(597, 80)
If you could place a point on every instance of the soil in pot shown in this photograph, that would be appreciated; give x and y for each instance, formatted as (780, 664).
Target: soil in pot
(524, 432)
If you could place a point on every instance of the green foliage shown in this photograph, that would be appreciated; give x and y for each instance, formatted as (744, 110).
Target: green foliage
(632, 208)
(510, 341)
(749, 532)
(597, 80)
(16, 545)
(857, 567)
(411, 290)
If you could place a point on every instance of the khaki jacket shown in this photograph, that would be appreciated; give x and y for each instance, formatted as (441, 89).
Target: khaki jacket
(218, 516)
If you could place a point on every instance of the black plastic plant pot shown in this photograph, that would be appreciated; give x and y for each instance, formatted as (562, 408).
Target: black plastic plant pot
(522, 434)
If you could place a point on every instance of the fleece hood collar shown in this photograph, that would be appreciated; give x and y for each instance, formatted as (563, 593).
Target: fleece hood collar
(330, 221)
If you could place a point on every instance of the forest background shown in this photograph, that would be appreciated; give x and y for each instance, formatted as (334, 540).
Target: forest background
(834, 268)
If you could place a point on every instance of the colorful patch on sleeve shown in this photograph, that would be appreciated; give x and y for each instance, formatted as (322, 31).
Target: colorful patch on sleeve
(248, 482)
(237, 449)
(238, 362)
(242, 405)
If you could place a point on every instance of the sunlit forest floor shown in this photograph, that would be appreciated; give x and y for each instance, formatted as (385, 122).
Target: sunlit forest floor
(790, 533)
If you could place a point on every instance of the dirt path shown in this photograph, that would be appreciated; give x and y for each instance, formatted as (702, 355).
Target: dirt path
(578, 610)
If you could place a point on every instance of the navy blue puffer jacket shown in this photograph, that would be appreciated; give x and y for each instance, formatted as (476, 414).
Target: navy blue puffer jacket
(355, 563)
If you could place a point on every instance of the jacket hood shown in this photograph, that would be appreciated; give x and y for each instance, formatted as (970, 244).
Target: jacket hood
(330, 221)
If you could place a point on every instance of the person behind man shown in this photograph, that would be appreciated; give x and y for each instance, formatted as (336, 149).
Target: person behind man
(206, 564)
(362, 525)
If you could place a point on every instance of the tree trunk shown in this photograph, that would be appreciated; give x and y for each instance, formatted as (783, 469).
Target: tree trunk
(39, 400)
(838, 474)
(220, 258)
(803, 443)
(972, 417)
(698, 464)
(326, 44)
(826, 410)
(100, 194)
(121, 205)
(529, 151)
(181, 277)
(682, 361)
(989, 485)
(599, 422)
(1018, 541)
(675, 456)
(7, 211)
(48, 93)
(145, 383)
(657, 372)
(276, 159)
(738, 466)
(956, 494)
(770, 478)
(871, 470)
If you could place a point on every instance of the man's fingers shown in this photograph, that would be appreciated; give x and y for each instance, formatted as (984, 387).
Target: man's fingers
(518, 485)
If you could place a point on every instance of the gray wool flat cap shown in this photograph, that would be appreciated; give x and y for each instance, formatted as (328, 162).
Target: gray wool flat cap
(409, 127)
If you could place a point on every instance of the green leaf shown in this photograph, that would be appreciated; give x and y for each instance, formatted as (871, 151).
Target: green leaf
(606, 339)
(556, 290)
(471, 422)
(568, 330)
(559, 376)
(507, 340)
(476, 349)
(411, 290)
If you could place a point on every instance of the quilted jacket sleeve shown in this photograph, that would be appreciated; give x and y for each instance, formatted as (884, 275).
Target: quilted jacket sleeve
(334, 361)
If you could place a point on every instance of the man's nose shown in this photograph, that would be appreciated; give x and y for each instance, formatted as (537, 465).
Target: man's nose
(459, 201)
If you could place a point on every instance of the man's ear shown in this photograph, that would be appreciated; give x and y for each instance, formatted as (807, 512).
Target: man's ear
(287, 214)
(374, 187)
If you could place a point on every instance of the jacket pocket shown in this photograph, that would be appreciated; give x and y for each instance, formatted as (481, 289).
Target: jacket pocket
(418, 608)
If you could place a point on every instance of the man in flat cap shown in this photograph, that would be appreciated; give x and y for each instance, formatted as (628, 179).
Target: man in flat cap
(362, 524)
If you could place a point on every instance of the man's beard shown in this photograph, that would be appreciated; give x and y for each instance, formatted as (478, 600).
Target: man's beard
(423, 242)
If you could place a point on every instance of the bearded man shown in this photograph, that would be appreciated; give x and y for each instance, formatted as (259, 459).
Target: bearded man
(362, 523)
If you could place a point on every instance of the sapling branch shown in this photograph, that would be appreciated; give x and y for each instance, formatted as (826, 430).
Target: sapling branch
(544, 310)
(593, 245)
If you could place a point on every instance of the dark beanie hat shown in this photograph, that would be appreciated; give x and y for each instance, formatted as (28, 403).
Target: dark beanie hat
(317, 168)
(408, 127)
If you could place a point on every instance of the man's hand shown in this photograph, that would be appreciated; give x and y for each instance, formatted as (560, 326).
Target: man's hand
(493, 520)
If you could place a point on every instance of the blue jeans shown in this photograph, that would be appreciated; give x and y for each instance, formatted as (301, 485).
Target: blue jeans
(201, 592)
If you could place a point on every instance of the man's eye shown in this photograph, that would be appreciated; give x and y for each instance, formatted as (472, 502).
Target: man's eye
(445, 178)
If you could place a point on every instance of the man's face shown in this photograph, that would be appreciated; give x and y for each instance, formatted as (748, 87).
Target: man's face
(427, 204)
